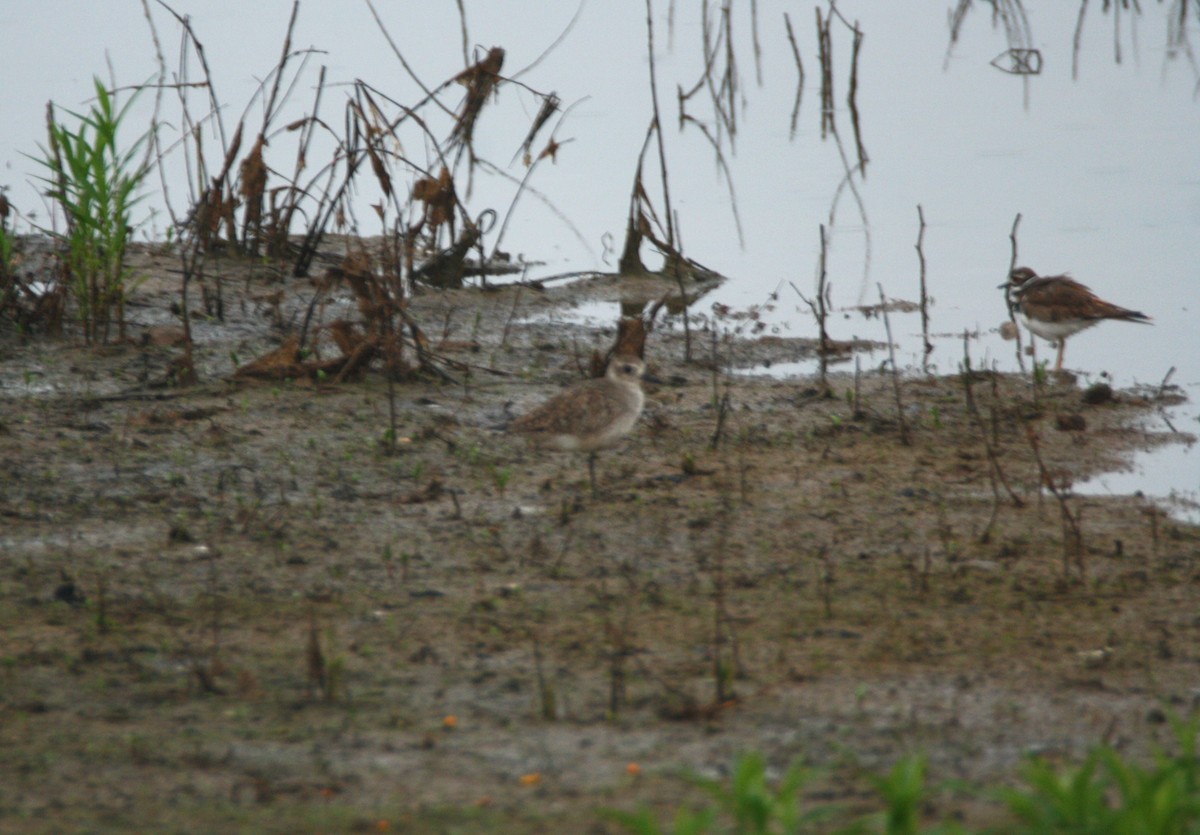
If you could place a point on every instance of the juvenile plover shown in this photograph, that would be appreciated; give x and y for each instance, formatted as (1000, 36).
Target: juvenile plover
(591, 415)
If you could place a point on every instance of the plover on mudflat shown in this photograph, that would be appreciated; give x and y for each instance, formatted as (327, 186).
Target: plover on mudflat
(589, 416)
(1054, 307)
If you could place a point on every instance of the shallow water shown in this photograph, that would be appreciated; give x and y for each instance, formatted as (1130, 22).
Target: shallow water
(1104, 169)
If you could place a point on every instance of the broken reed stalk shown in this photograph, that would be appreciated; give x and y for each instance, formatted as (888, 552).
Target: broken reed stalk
(190, 249)
(391, 439)
(512, 314)
(1162, 387)
(281, 217)
(662, 152)
(825, 57)
(791, 36)
(715, 365)
(722, 403)
(887, 324)
(995, 472)
(677, 269)
(820, 311)
(723, 94)
(1072, 531)
(1012, 313)
(924, 293)
(857, 411)
(852, 94)
(549, 106)
(722, 412)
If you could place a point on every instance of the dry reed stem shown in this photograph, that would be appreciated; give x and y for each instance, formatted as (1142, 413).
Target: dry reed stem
(791, 36)
(924, 292)
(887, 324)
(995, 471)
(1012, 313)
(1072, 532)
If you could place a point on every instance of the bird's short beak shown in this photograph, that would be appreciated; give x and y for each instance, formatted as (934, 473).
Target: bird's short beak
(647, 377)
(1001, 286)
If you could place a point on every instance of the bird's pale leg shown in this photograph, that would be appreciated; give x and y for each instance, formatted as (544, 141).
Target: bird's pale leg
(1062, 346)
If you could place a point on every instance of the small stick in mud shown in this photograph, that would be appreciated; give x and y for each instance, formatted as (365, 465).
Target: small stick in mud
(822, 311)
(924, 294)
(722, 411)
(857, 411)
(887, 324)
(1012, 313)
(512, 314)
(726, 662)
(995, 472)
(1072, 530)
(819, 308)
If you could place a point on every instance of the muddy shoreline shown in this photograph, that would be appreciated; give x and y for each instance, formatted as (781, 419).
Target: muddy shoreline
(237, 602)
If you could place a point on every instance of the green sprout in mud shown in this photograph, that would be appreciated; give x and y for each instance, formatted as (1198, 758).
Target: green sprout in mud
(1040, 372)
(500, 477)
(95, 182)
(749, 804)
(1105, 793)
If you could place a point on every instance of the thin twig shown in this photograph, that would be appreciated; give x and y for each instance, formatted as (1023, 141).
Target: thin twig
(1072, 533)
(1012, 313)
(924, 293)
(791, 36)
(904, 436)
(995, 472)
(662, 153)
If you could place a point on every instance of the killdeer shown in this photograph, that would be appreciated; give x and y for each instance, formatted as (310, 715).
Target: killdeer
(591, 415)
(1054, 307)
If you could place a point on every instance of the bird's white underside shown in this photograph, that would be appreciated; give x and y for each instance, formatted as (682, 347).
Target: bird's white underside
(1056, 330)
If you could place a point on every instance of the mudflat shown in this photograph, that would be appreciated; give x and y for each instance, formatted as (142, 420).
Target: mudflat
(300, 604)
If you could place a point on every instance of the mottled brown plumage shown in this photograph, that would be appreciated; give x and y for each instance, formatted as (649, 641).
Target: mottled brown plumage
(592, 415)
(1054, 307)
